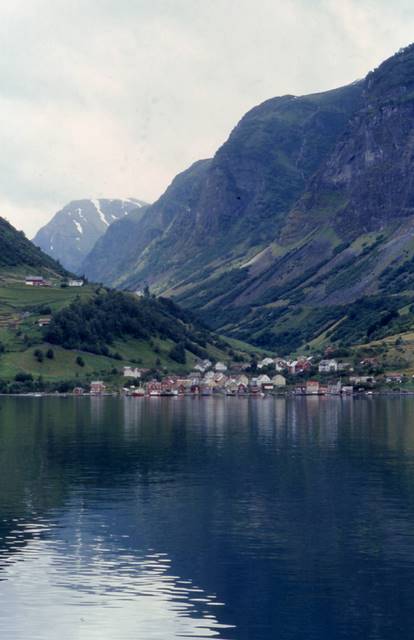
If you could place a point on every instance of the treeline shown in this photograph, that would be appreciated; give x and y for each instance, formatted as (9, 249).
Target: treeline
(95, 324)
(26, 383)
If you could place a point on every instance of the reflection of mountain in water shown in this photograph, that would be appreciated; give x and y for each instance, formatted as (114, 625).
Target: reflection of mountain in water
(291, 511)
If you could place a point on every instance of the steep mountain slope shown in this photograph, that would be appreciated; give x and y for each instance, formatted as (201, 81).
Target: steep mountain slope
(350, 235)
(126, 239)
(300, 231)
(107, 256)
(223, 211)
(73, 231)
(17, 251)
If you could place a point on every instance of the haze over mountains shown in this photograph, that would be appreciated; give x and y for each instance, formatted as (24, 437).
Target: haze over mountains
(305, 210)
(73, 231)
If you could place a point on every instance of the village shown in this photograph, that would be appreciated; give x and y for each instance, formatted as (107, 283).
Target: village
(271, 376)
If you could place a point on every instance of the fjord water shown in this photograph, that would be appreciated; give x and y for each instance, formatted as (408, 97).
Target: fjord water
(216, 517)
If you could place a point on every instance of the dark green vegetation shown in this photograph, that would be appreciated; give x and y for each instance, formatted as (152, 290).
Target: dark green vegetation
(17, 250)
(58, 336)
(96, 324)
(93, 334)
(300, 231)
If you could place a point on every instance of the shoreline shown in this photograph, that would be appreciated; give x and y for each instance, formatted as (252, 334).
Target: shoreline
(289, 394)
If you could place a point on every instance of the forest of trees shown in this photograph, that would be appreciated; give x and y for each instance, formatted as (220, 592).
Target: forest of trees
(94, 325)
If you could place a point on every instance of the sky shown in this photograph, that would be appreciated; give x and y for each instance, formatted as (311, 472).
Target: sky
(112, 98)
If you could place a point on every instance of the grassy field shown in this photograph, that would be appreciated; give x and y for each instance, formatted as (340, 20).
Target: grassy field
(21, 306)
(396, 352)
(18, 297)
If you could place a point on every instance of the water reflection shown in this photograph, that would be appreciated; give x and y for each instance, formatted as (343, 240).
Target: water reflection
(223, 517)
(96, 587)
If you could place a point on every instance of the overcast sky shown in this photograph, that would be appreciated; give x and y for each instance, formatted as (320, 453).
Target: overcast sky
(112, 98)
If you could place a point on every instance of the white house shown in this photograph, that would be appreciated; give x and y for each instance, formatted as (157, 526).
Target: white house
(131, 372)
(279, 380)
(328, 366)
(220, 366)
(203, 365)
(35, 281)
(75, 283)
(266, 362)
(280, 364)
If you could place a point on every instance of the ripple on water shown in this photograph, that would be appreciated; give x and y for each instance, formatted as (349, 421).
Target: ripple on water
(94, 591)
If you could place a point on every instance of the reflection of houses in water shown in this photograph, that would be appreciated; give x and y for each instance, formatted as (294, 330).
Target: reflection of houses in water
(97, 407)
(280, 413)
(314, 419)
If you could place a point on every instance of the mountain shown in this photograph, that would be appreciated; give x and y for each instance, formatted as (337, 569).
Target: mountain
(16, 251)
(73, 231)
(300, 231)
(57, 336)
(342, 264)
(341, 267)
(220, 212)
(128, 238)
(96, 265)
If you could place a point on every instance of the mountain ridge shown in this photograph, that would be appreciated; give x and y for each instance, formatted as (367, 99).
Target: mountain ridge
(302, 212)
(74, 229)
(201, 224)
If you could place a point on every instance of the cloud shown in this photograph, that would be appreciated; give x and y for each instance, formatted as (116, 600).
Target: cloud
(113, 98)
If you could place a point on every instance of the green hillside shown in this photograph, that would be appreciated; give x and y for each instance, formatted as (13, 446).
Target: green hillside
(93, 333)
(299, 232)
(16, 251)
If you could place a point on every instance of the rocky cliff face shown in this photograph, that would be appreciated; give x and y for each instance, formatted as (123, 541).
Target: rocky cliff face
(231, 206)
(368, 177)
(306, 209)
(73, 230)
(349, 231)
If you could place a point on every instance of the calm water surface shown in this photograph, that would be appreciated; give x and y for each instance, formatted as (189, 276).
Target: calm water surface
(196, 518)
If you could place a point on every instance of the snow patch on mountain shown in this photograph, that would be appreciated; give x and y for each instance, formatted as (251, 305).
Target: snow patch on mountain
(78, 226)
(100, 212)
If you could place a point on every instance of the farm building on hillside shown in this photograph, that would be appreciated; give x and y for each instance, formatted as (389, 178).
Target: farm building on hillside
(43, 322)
(131, 372)
(328, 366)
(36, 281)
